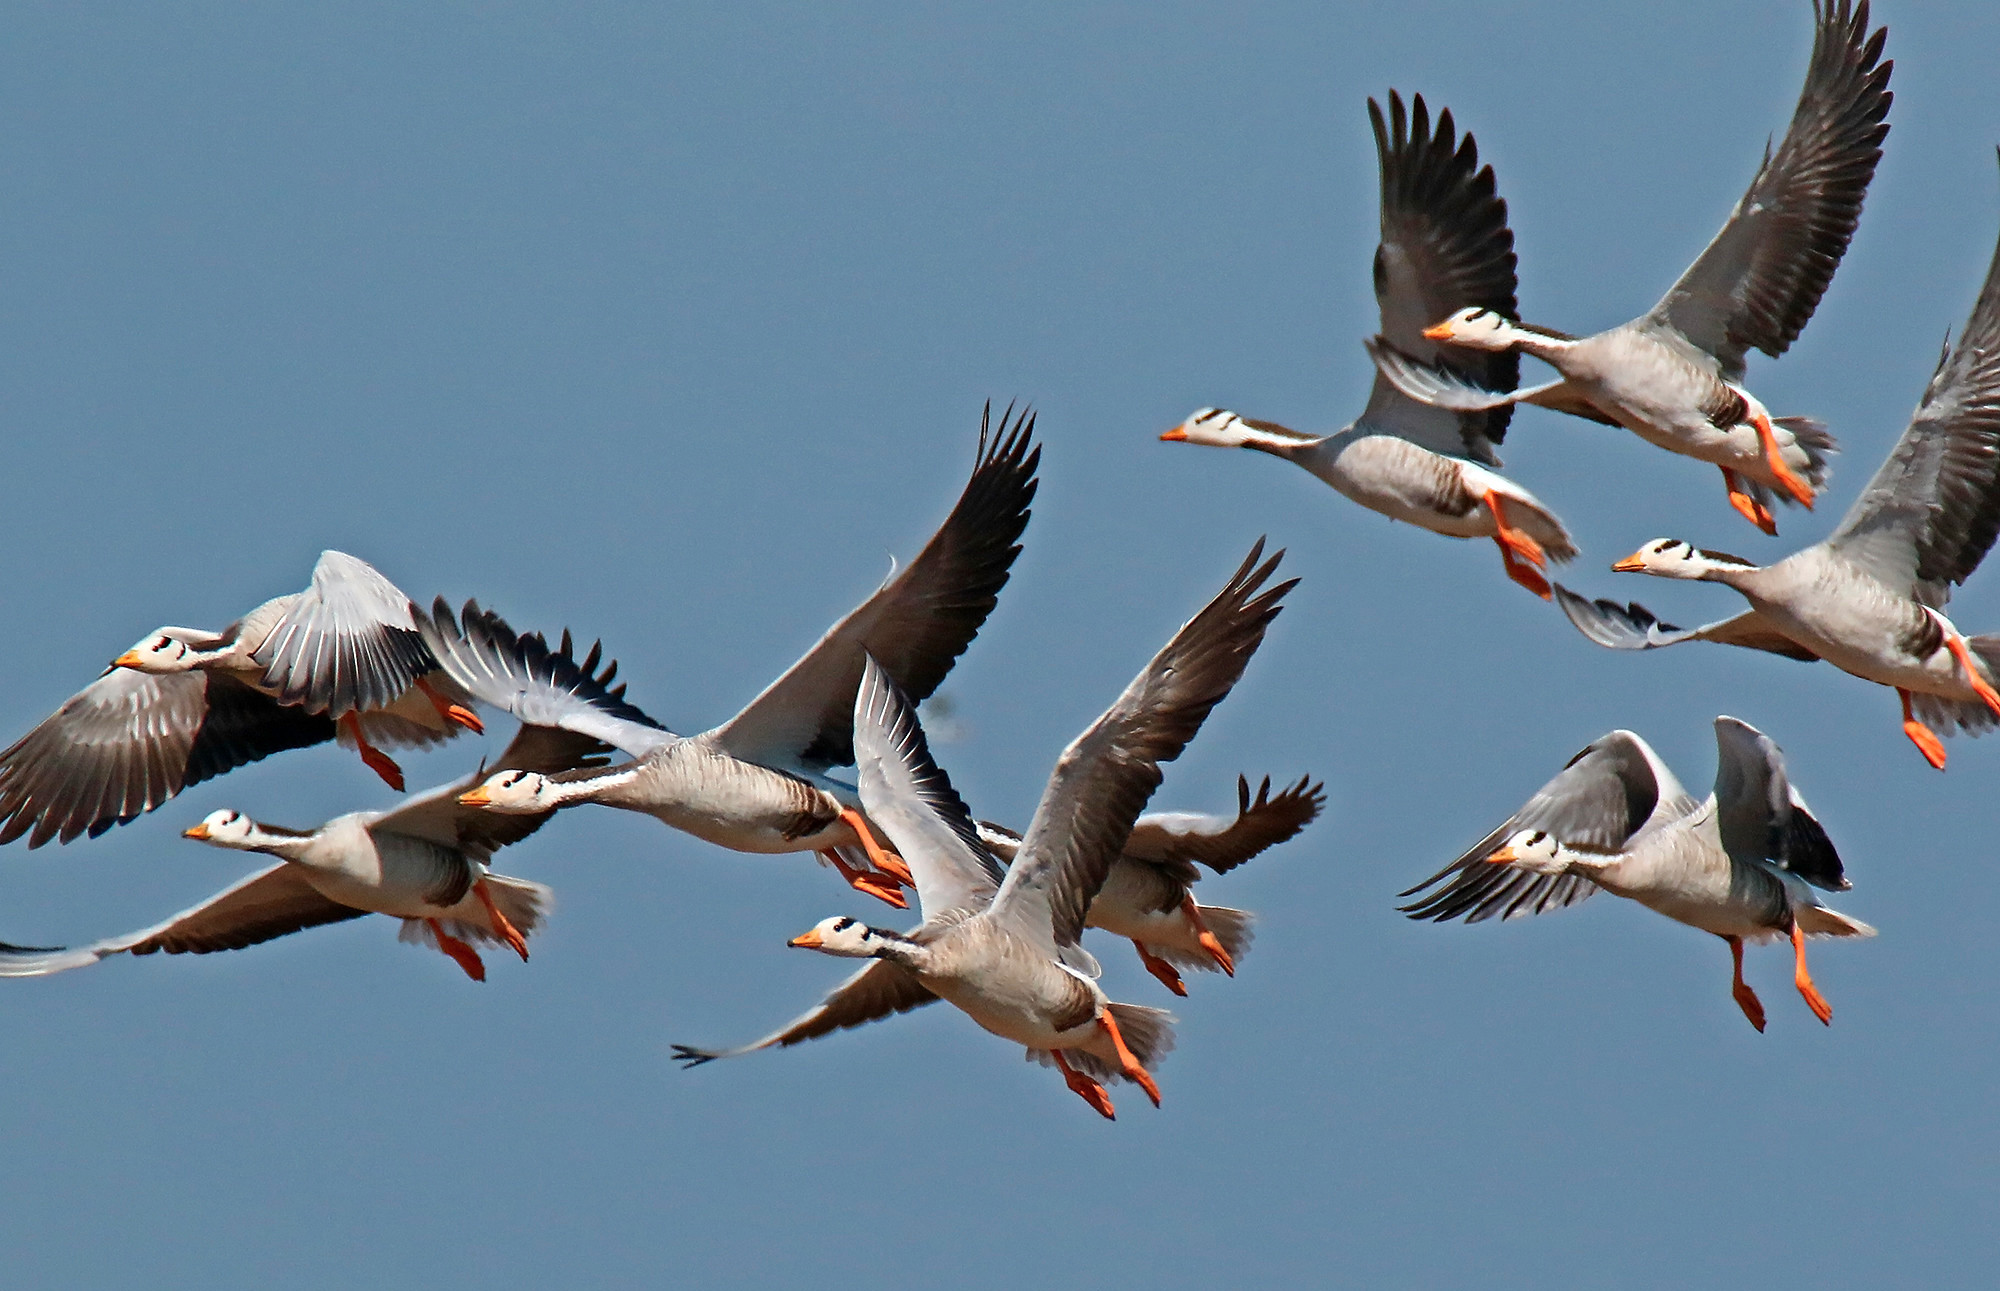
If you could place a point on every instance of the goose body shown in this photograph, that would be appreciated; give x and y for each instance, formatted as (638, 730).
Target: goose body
(1741, 865)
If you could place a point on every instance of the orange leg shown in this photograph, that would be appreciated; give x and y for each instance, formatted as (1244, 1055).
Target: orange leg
(1085, 1088)
(879, 886)
(878, 856)
(1803, 980)
(379, 762)
(1746, 999)
(1209, 941)
(1126, 1062)
(1920, 735)
(1974, 678)
(1748, 507)
(449, 711)
(1775, 459)
(465, 956)
(1520, 555)
(1160, 968)
(501, 923)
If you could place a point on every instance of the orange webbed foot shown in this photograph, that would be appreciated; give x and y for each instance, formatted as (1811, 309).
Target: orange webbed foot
(457, 714)
(1161, 969)
(898, 869)
(1749, 507)
(463, 955)
(1803, 980)
(1207, 939)
(503, 926)
(1127, 1061)
(1973, 676)
(1920, 735)
(385, 766)
(1746, 999)
(1775, 459)
(1085, 1088)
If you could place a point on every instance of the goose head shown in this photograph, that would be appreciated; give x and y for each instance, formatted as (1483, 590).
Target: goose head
(1675, 558)
(225, 829)
(514, 793)
(848, 938)
(158, 653)
(1221, 428)
(1477, 328)
(1535, 850)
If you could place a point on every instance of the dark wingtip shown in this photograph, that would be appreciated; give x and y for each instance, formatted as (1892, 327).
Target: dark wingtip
(692, 1058)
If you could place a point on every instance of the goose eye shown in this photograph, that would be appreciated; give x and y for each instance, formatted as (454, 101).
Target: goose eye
(842, 924)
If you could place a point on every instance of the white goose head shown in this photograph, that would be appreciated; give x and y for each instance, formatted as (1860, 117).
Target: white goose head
(1535, 850)
(514, 793)
(225, 829)
(159, 653)
(1478, 328)
(848, 938)
(1221, 428)
(1675, 558)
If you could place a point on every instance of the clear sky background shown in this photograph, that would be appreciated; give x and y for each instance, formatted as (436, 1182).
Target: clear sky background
(672, 324)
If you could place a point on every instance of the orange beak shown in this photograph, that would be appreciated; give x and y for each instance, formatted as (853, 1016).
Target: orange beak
(130, 659)
(1177, 435)
(807, 940)
(475, 797)
(1440, 332)
(195, 831)
(1632, 564)
(1504, 856)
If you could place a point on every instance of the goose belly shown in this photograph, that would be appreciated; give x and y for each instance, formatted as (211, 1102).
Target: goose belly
(1138, 900)
(1659, 396)
(1041, 1008)
(387, 873)
(1689, 878)
(1869, 636)
(738, 805)
(1406, 482)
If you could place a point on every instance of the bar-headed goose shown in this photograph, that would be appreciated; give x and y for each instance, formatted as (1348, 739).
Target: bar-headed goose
(1148, 897)
(1738, 865)
(758, 782)
(344, 659)
(1675, 376)
(1445, 244)
(423, 863)
(1006, 948)
(1870, 598)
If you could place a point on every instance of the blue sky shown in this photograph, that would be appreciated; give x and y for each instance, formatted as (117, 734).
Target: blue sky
(672, 325)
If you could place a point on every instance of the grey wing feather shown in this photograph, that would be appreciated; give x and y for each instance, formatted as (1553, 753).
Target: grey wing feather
(1602, 797)
(1444, 246)
(877, 991)
(348, 642)
(1104, 778)
(1929, 515)
(268, 904)
(910, 797)
(916, 626)
(1223, 842)
(130, 741)
(1758, 283)
(1633, 627)
(1760, 816)
(1440, 387)
(519, 674)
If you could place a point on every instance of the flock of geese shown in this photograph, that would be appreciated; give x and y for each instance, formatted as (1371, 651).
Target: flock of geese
(1003, 913)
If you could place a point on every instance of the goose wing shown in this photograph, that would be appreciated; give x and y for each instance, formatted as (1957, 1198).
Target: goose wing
(1445, 245)
(1633, 627)
(268, 904)
(130, 741)
(877, 991)
(1603, 796)
(1758, 283)
(915, 626)
(1224, 842)
(1930, 514)
(1761, 816)
(1436, 385)
(519, 674)
(1105, 776)
(907, 794)
(348, 642)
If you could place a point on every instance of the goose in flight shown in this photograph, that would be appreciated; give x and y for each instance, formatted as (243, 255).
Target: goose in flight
(1005, 947)
(423, 863)
(1674, 376)
(1870, 599)
(1148, 896)
(343, 659)
(1742, 864)
(1445, 244)
(758, 783)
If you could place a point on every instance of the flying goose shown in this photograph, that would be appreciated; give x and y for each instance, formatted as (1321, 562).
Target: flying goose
(1005, 948)
(1148, 896)
(1737, 865)
(1445, 243)
(344, 658)
(1674, 376)
(1870, 598)
(758, 782)
(424, 863)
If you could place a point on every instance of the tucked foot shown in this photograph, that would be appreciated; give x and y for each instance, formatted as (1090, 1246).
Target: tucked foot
(465, 956)
(379, 762)
(1746, 999)
(879, 886)
(1161, 969)
(1803, 980)
(1973, 676)
(1920, 735)
(878, 856)
(898, 869)
(1209, 941)
(1523, 573)
(501, 924)
(1774, 457)
(451, 712)
(1127, 1063)
(1085, 1088)
(1747, 506)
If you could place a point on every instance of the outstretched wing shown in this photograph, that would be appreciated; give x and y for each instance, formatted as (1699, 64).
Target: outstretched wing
(1602, 797)
(1223, 842)
(1105, 776)
(1445, 245)
(1436, 385)
(1761, 816)
(130, 741)
(877, 991)
(1760, 280)
(1633, 627)
(268, 904)
(350, 641)
(916, 626)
